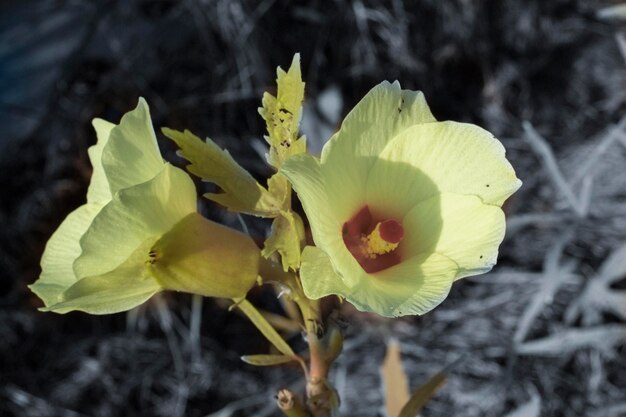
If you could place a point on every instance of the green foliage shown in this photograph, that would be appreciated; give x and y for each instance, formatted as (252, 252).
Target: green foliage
(264, 327)
(286, 238)
(267, 360)
(282, 115)
(242, 193)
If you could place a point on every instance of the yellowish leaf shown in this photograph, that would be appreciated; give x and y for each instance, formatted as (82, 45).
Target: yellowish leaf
(395, 381)
(282, 114)
(286, 238)
(281, 323)
(280, 189)
(422, 395)
(242, 193)
(264, 327)
(267, 360)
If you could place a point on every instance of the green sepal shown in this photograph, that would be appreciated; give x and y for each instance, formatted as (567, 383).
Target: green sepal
(242, 193)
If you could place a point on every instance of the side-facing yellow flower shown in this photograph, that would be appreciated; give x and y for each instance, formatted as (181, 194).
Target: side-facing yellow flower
(139, 232)
(400, 205)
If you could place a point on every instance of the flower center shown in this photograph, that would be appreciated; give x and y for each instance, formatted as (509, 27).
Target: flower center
(384, 238)
(373, 242)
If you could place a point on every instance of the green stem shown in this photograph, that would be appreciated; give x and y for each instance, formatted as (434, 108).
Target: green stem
(321, 397)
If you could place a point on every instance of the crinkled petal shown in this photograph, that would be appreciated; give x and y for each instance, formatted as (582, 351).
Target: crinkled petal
(318, 276)
(303, 171)
(131, 155)
(414, 286)
(461, 227)
(61, 250)
(99, 190)
(446, 157)
(349, 155)
(134, 215)
(122, 289)
(394, 187)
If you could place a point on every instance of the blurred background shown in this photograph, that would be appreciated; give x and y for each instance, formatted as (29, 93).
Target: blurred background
(544, 334)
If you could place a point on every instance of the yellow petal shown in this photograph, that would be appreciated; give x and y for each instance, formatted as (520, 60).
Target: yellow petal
(134, 215)
(99, 190)
(303, 171)
(415, 286)
(461, 227)
(61, 250)
(350, 154)
(318, 276)
(446, 157)
(131, 155)
(122, 289)
(202, 257)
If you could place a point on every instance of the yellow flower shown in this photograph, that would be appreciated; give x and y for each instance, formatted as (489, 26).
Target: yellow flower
(400, 205)
(139, 232)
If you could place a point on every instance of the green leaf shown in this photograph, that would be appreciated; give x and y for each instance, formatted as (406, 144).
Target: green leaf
(242, 193)
(267, 360)
(282, 323)
(282, 115)
(286, 238)
(264, 327)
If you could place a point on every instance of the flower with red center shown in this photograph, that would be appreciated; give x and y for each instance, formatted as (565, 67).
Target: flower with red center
(400, 205)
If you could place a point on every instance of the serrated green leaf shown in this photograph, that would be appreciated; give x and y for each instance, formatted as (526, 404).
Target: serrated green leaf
(264, 327)
(286, 238)
(282, 114)
(242, 193)
(267, 360)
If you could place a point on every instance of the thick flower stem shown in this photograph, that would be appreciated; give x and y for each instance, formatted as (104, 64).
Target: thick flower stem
(321, 396)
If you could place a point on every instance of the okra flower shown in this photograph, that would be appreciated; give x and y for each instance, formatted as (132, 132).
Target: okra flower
(139, 232)
(400, 205)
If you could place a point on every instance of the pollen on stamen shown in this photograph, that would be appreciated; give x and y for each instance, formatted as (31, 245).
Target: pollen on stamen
(373, 242)
(383, 239)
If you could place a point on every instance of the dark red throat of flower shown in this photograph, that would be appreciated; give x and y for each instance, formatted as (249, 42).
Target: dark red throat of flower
(373, 242)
